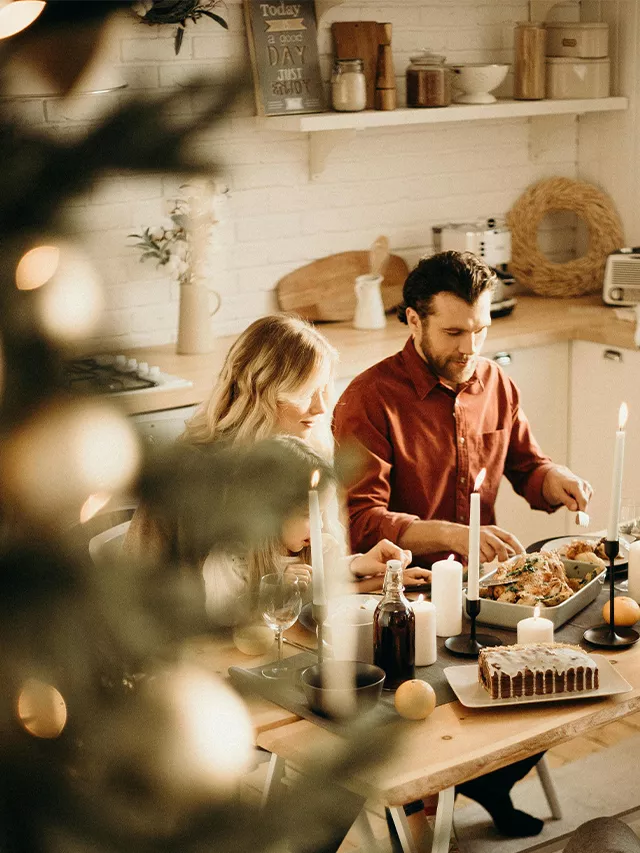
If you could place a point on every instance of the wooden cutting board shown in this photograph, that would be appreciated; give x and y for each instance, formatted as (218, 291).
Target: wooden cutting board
(359, 40)
(324, 290)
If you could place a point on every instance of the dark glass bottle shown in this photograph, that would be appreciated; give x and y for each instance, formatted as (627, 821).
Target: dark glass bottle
(394, 630)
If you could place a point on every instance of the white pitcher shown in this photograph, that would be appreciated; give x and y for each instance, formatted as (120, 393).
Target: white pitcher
(369, 312)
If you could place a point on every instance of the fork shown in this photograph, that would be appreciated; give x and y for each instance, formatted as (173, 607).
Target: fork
(582, 518)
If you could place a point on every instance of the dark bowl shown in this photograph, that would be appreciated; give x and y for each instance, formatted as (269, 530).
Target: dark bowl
(359, 694)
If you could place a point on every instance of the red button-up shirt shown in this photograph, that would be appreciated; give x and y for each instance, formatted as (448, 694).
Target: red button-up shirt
(424, 444)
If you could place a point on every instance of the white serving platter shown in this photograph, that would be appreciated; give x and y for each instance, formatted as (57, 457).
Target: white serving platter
(504, 614)
(621, 560)
(464, 683)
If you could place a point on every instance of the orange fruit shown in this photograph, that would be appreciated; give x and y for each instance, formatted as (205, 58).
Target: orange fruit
(253, 639)
(625, 610)
(415, 699)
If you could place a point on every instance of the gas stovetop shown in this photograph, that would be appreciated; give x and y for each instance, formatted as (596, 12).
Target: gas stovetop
(117, 374)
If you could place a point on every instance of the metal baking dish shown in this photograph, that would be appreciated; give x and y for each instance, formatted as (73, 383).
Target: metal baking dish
(502, 614)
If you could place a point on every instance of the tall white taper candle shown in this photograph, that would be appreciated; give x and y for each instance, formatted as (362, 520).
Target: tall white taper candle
(473, 568)
(616, 480)
(317, 560)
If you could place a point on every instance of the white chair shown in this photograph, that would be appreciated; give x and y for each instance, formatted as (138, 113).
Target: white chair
(106, 547)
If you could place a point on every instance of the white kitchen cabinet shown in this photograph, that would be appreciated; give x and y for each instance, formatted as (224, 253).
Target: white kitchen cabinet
(162, 427)
(542, 375)
(601, 378)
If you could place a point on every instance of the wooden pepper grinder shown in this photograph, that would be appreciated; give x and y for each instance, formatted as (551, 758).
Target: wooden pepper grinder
(385, 76)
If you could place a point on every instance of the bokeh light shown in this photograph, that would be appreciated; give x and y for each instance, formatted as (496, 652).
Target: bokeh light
(16, 15)
(41, 709)
(214, 743)
(71, 301)
(65, 453)
(37, 267)
(93, 504)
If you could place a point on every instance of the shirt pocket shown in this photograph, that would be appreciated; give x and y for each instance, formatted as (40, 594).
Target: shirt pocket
(489, 450)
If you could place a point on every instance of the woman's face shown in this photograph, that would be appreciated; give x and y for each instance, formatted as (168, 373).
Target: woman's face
(300, 410)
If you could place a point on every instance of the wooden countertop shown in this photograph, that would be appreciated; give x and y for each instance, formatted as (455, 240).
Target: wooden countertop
(536, 321)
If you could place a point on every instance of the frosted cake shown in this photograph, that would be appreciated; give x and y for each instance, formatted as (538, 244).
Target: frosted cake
(536, 670)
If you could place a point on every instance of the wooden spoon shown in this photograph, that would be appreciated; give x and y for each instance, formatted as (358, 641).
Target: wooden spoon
(378, 255)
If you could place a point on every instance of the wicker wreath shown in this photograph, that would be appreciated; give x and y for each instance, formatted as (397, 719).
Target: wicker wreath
(576, 277)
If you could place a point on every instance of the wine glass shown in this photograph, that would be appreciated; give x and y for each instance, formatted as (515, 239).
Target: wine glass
(629, 512)
(280, 602)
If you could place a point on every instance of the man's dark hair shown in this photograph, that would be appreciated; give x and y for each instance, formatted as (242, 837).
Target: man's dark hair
(460, 273)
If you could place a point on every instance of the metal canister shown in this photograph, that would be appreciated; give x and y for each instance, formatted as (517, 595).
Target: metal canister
(428, 81)
(529, 66)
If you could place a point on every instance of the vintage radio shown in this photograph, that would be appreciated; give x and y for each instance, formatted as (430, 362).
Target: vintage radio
(622, 278)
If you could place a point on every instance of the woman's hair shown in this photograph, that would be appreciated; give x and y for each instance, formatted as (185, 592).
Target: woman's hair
(275, 356)
(302, 461)
(460, 273)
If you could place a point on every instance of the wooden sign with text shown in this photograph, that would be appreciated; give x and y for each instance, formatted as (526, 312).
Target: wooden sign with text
(284, 56)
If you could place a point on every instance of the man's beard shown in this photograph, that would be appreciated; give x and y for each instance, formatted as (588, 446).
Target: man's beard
(447, 368)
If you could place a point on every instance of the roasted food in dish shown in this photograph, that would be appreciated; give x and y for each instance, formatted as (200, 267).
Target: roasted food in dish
(531, 579)
(584, 551)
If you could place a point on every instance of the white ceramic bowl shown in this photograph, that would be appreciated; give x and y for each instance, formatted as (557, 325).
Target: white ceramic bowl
(476, 80)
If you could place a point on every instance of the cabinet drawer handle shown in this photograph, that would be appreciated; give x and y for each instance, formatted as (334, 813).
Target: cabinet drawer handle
(502, 358)
(613, 355)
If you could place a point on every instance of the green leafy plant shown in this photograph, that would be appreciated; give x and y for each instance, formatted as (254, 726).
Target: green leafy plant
(178, 12)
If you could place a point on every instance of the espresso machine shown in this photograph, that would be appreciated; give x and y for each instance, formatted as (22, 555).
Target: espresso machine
(489, 239)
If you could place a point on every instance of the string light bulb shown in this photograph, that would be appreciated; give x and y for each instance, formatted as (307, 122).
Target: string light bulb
(41, 709)
(17, 15)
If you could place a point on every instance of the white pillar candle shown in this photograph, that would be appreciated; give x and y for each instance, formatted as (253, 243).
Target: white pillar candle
(473, 569)
(425, 613)
(446, 596)
(317, 560)
(634, 571)
(535, 629)
(616, 480)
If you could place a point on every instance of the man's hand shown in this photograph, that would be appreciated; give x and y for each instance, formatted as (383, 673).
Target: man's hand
(561, 487)
(374, 562)
(495, 543)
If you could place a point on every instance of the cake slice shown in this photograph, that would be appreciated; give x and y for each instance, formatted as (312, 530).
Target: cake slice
(536, 670)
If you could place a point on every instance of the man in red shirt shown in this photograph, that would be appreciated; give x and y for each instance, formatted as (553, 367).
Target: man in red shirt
(429, 418)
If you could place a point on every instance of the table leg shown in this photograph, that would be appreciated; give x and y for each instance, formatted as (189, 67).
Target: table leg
(444, 821)
(362, 824)
(549, 788)
(403, 829)
(275, 772)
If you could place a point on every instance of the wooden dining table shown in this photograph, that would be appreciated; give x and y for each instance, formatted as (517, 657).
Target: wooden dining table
(432, 756)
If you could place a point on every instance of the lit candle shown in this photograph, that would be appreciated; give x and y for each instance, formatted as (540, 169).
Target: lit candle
(315, 526)
(425, 613)
(473, 569)
(634, 571)
(446, 596)
(535, 629)
(616, 482)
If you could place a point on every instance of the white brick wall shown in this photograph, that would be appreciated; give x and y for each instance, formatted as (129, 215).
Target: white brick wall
(396, 181)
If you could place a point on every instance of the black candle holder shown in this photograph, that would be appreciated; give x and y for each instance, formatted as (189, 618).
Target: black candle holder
(609, 636)
(469, 645)
(319, 613)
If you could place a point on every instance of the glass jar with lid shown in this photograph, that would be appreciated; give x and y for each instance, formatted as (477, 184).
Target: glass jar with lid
(428, 81)
(348, 85)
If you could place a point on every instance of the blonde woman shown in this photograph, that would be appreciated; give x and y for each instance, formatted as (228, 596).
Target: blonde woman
(277, 379)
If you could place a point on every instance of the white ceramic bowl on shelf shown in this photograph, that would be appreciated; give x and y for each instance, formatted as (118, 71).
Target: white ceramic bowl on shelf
(476, 80)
